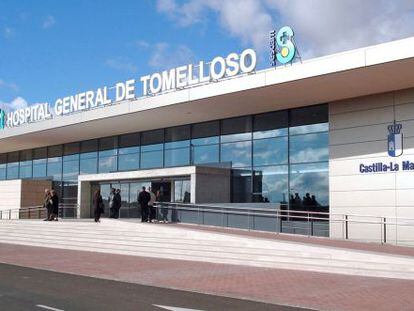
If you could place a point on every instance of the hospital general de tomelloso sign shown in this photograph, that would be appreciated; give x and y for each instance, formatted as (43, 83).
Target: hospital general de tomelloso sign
(173, 79)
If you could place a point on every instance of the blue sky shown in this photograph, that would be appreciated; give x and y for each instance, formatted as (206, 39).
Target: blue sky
(51, 49)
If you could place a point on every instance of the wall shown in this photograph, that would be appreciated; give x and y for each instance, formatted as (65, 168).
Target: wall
(33, 192)
(19, 193)
(358, 135)
(211, 185)
(10, 193)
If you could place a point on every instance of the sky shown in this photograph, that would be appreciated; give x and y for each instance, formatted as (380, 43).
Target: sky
(51, 49)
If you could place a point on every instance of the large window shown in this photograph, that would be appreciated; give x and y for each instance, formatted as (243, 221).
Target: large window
(108, 152)
(26, 164)
(152, 148)
(89, 157)
(129, 152)
(13, 165)
(39, 162)
(54, 162)
(177, 146)
(275, 157)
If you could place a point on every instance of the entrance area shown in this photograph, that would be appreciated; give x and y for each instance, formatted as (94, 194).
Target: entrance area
(171, 190)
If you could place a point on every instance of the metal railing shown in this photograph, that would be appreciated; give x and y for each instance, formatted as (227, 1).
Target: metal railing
(394, 230)
(38, 212)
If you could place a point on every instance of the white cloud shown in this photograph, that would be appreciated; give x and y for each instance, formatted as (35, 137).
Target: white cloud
(121, 64)
(16, 103)
(321, 26)
(167, 56)
(7, 85)
(48, 22)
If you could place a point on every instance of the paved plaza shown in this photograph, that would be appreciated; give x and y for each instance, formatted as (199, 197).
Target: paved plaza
(286, 287)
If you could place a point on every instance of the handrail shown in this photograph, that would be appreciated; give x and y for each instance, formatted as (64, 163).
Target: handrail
(293, 219)
(284, 211)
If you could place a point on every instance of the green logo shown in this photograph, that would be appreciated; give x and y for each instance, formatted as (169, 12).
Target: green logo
(2, 119)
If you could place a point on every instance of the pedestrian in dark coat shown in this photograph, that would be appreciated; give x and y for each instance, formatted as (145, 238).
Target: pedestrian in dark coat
(118, 203)
(143, 199)
(55, 205)
(98, 205)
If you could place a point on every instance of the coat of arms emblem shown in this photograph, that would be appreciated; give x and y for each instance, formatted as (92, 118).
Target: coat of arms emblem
(395, 140)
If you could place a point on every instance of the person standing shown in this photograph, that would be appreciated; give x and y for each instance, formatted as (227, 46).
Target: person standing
(55, 205)
(47, 205)
(164, 210)
(112, 203)
(98, 205)
(151, 206)
(118, 203)
(143, 198)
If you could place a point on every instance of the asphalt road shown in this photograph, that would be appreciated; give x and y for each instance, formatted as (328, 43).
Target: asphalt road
(30, 289)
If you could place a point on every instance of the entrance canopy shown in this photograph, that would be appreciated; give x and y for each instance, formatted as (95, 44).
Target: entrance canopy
(208, 184)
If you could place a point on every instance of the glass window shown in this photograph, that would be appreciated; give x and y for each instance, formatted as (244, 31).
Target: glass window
(108, 154)
(271, 124)
(54, 162)
(177, 136)
(13, 165)
(107, 164)
(270, 184)
(152, 137)
(25, 170)
(54, 151)
(182, 191)
(3, 166)
(309, 184)
(177, 157)
(71, 161)
(205, 141)
(39, 162)
(70, 170)
(206, 154)
(152, 159)
(242, 186)
(88, 165)
(152, 149)
(206, 129)
(108, 146)
(309, 148)
(309, 120)
(89, 146)
(270, 151)
(129, 140)
(128, 158)
(129, 161)
(239, 154)
(236, 129)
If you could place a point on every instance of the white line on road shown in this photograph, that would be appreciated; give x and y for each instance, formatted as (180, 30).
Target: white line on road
(49, 308)
(175, 308)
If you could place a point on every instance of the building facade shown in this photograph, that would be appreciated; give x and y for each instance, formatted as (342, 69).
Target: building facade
(316, 136)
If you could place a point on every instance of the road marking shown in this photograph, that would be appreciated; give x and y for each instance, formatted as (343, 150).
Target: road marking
(49, 308)
(175, 308)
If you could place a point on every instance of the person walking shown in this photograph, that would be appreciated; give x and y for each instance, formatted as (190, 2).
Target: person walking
(98, 205)
(112, 203)
(118, 203)
(164, 210)
(151, 206)
(55, 205)
(47, 204)
(143, 198)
